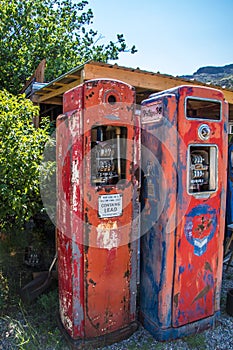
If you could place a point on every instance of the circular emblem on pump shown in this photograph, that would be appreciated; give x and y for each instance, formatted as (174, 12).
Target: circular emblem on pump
(204, 132)
(200, 227)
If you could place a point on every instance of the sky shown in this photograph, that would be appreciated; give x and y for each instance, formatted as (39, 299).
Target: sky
(174, 37)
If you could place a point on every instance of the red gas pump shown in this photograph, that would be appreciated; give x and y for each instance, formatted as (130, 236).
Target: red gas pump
(184, 145)
(97, 235)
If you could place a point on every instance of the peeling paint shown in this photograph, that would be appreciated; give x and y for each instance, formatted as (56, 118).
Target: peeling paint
(97, 263)
(107, 235)
(181, 268)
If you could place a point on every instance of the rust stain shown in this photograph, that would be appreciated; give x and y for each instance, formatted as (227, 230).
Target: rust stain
(208, 267)
(205, 224)
(127, 274)
(97, 274)
(180, 275)
(108, 315)
(175, 299)
(92, 282)
(202, 293)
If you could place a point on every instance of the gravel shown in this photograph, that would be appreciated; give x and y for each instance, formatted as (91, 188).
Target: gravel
(221, 337)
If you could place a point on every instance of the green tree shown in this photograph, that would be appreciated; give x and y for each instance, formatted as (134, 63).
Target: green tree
(21, 153)
(57, 30)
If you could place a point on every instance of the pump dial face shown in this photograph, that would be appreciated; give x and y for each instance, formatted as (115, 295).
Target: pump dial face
(204, 132)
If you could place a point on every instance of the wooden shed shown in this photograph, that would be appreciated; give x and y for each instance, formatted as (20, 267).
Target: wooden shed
(49, 95)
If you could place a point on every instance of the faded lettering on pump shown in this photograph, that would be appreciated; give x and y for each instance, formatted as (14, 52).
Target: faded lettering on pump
(153, 113)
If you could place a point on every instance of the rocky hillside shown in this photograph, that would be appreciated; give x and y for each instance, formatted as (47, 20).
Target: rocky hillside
(220, 76)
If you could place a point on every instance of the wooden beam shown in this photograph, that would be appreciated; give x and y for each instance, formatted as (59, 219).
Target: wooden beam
(137, 78)
(73, 76)
(227, 94)
(142, 79)
(53, 101)
(41, 91)
(59, 84)
(58, 92)
(38, 75)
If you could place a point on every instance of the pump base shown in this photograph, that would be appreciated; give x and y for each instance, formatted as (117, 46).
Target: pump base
(172, 333)
(104, 340)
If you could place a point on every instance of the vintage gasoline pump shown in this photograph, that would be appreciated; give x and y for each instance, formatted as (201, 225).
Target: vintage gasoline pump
(97, 223)
(229, 211)
(184, 158)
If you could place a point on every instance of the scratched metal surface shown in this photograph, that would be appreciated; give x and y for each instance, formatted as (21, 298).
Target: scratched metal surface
(69, 216)
(157, 247)
(229, 209)
(96, 259)
(179, 285)
(198, 274)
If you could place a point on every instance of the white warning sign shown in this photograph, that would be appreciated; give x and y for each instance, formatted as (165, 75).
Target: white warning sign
(110, 205)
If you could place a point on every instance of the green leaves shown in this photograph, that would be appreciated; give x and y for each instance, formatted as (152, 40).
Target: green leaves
(21, 152)
(31, 30)
(59, 31)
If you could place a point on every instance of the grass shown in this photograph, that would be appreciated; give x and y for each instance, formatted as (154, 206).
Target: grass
(34, 327)
(196, 341)
(25, 327)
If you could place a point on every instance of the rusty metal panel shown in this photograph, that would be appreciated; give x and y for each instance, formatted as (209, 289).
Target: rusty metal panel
(200, 231)
(159, 184)
(97, 270)
(108, 256)
(182, 266)
(70, 215)
(229, 203)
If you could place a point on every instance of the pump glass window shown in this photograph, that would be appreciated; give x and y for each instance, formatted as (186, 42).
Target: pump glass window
(203, 109)
(202, 171)
(108, 155)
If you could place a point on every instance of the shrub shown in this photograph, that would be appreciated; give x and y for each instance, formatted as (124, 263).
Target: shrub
(21, 152)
